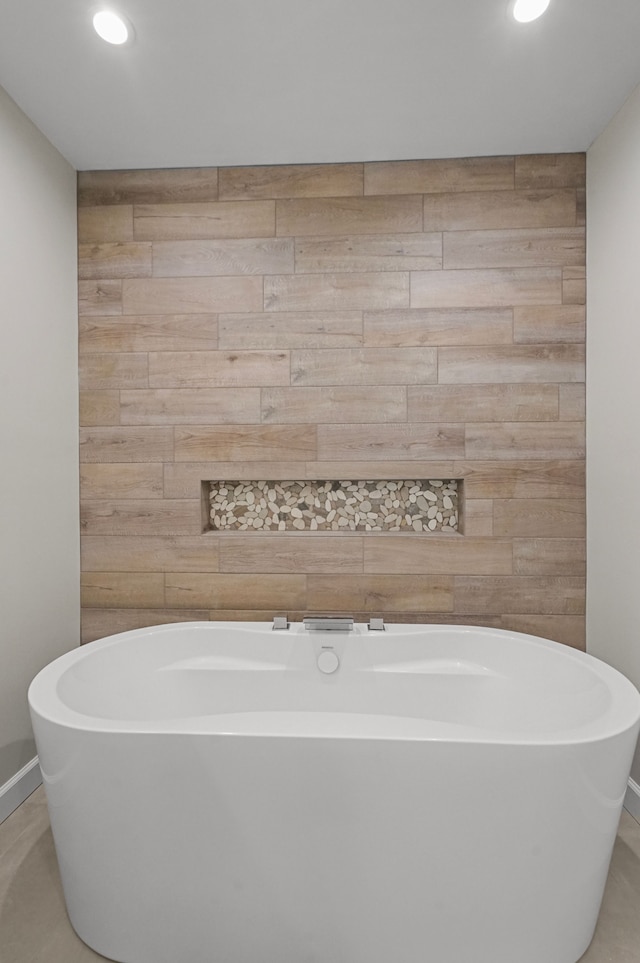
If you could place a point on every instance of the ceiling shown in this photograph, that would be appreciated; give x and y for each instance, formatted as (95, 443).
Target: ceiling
(235, 82)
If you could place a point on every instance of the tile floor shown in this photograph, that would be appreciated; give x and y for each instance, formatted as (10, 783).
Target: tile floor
(34, 927)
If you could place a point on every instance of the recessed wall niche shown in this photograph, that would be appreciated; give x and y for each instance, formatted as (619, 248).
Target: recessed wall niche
(416, 506)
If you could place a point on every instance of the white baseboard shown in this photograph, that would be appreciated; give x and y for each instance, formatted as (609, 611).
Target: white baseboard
(632, 799)
(15, 791)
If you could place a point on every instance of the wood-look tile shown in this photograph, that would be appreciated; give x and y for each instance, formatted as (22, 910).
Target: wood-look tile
(115, 444)
(226, 256)
(118, 516)
(100, 297)
(439, 176)
(491, 287)
(519, 595)
(334, 404)
(476, 518)
(495, 210)
(98, 623)
(190, 406)
(349, 215)
(329, 554)
(445, 326)
(574, 285)
(472, 402)
(390, 442)
(209, 369)
(154, 332)
(99, 408)
(581, 207)
(311, 354)
(121, 481)
(541, 517)
(381, 593)
(544, 171)
(379, 470)
(437, 555)
(163, 185)
(235, 591)
(360, 366)
(184, 479)
(114, 259)
(553, 363)
(567, 629)
(122, 590)
(527, 440)
(136, 553)
(522, 479)
(368, 252)
(264, 616)
(297, 329)
(544, 324)
(113, 371)
(536, 247)
(190, 295)
(337, 292)
(174, 222)
(549, 556)
(573, 402)
(103, 224)
(291, 180)
(246, 443)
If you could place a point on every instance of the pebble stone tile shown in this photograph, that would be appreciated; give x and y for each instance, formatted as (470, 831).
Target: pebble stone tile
(334, 506)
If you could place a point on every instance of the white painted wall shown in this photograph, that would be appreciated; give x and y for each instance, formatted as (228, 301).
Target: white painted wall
(613, 394)
(39, 528)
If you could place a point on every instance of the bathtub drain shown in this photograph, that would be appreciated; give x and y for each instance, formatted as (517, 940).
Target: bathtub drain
(328, 661)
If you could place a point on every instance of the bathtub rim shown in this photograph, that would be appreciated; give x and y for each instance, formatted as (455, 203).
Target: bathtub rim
(622, 716)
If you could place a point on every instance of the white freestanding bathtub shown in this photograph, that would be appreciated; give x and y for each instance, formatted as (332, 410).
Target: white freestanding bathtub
(445, 795)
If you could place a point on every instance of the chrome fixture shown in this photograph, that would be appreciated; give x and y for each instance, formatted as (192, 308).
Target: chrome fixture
(328, 623)
(280, 622)
(376, 625)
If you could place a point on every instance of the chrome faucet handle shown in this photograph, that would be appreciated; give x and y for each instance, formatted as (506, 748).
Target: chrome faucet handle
(280, 622)
(376, 625)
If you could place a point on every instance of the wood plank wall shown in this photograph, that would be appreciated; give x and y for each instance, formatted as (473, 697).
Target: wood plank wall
(378, 320)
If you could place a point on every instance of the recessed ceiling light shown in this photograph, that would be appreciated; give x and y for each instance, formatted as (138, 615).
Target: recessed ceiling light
(527, 10)
(112, 27)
